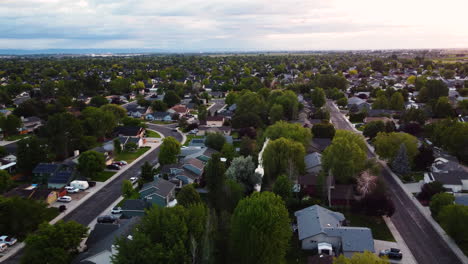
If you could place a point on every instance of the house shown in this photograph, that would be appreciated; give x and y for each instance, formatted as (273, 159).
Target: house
(214, 121)
(100, 242)
(8, 163)
(158, 192)
(372, 119)
(159, 116)
(203, 130)
(61, 178)
(107, 150)
(318, 144)
(129, 131)
(179, 109)
(313, 162)
(138, 141)
(449, 173)
(461, 199)
(134, 207)
(43, 171)
(194, 165)
(325, 231)
(30, 124)
(359, 103)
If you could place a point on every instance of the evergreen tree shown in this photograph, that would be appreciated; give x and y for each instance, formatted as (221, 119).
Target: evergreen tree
(401, 163)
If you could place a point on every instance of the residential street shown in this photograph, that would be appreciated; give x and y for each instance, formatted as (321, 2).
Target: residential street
(422, 239)
(93, 207)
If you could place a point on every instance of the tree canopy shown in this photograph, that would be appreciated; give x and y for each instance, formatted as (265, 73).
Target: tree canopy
(170, 148)
(388, 144)
(290, 131)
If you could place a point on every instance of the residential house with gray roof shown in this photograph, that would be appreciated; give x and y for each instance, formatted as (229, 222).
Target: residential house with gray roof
(159, 192)
(324, 230)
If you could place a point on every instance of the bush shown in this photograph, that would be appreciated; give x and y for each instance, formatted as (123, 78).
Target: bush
(323, 130)
(357, 118)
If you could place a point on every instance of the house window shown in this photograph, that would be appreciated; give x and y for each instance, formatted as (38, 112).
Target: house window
(313, 241)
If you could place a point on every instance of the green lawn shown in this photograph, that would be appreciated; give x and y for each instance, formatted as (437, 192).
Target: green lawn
(152, 134)
(295, 253)
(51, 213)
(131, 156)
(190, 137)
(103, 176)
(378, 226)
(16, 137)
(162, 122)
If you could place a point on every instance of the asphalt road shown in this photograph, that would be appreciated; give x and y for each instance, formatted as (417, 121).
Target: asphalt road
(426, 245)
(86, 212)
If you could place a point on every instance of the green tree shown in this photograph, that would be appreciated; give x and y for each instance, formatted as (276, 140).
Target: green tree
(381, 102)
(242, 170)
(127, 189)
(453, 219)
(171, 98)
(5, 181)
(170, 148)
(397, 102)
(98, 122)
(98, 101)
(361, 258)
(442, 108)
(202, 113)
(388, 144)
(10, 125)
(372, 128)
(64, 134)
(283, 156)
(54, 244)
(118, 111)
(117, 146)
(188, 196)
(343, 101)
(30, 152)
(318, 97)
(463, 106)
(158, 106)
(214, 176)
(215, 141)
(260, 222)
(345, 157)
(439, 201)
(401, 164)
(228, 152)
(276, 113)
(290, 131)
(248, 146)
(432, 90)
(283, 188)
(323, 130)
(147, 172)
(91, 163)
(413, 115)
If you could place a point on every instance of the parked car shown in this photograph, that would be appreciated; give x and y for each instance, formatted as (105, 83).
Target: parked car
(113, 167)
(64, 199)
(392, 253)
(123, 162)
(174, 130)
(116, 210)
(106, 219)
(3, 247)
(71, 189)
(10, 241)
(118, 163)
(133, 179)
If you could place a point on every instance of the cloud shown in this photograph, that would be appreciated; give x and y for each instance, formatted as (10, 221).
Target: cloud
(193, 25)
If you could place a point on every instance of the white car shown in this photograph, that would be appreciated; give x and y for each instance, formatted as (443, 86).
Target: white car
(10, 241)
(133, 179)
(71, 189)
(123, 162)
(64, 199)
(116, 210)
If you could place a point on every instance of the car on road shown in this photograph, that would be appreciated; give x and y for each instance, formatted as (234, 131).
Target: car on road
(392, 253)
(116, 210)
(64, 199)
(71, 189)
(174, 130)
(10, 241)
(106, 219)
(113, 167)
(133, 179)
(3, 247)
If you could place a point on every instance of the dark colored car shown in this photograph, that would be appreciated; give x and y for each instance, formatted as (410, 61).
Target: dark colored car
(393, 253)
(113, 167)
(106, 219)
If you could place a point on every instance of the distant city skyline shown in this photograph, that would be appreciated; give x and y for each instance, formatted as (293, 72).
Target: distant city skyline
(255, 25)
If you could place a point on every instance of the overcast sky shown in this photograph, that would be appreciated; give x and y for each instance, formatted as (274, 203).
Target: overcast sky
(242, 25)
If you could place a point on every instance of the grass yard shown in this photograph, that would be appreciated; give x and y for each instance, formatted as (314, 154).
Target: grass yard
(162, 122)
(103, 176)
(295, 253)
(152, 134)
(378, 226)
(189, 138)
(51, 213)
(131, 156)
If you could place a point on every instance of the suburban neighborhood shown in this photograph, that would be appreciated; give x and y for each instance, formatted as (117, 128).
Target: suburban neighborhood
(330, 156)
